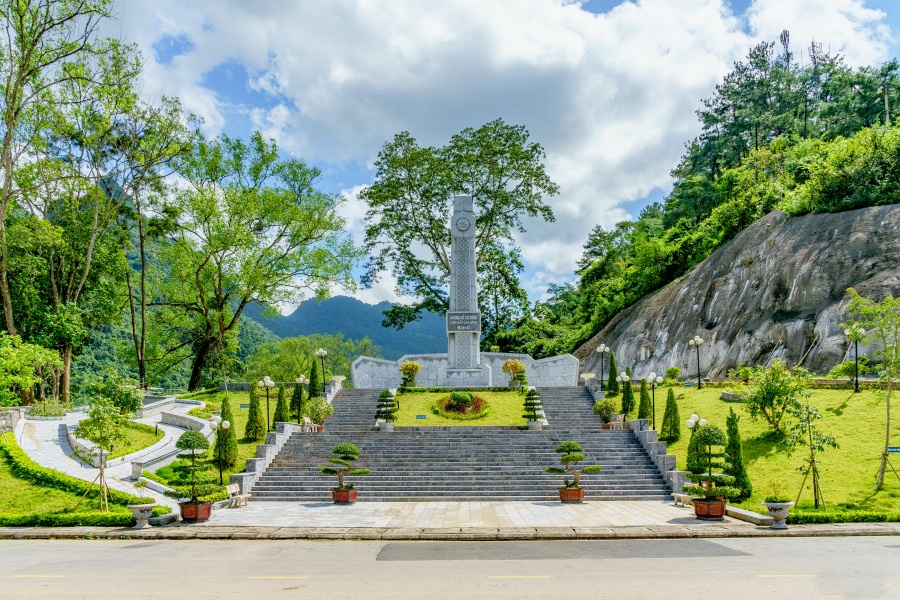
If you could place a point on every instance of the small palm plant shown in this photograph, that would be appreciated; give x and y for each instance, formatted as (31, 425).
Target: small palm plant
(571, 452)
(345, 453)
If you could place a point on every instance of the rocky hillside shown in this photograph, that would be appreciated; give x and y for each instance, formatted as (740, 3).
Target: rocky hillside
(775, 290)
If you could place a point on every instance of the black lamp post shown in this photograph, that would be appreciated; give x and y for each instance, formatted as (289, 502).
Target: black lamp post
(697, 341)
(300, 382)
(322, 353)
(654, 381)
(219, 426)
(268, 384)
(854, 332)
(602, 350)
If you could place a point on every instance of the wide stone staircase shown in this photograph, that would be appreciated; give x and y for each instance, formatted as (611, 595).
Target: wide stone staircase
(463, 463)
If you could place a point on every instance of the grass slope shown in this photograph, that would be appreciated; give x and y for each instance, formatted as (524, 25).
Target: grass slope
(506, 409)
(136, 438)
(847, 474)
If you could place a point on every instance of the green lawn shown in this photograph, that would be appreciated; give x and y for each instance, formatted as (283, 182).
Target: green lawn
(136, 438)
(506, 409)
(857, 421)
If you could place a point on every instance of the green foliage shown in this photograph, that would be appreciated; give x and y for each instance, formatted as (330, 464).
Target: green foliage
(671, 424)
(847, 370)
(409, 369)
(319, 409)
(285, 359)
(256, 421)
(226, 437)
(345, 455)
(459, 401)
(315, 386)
(82, 519)
(841, 516)
(673, 373)
(476, 408)
(734, 457)
(534, 407)
(645, 407)
(513, 367)
(502, 170)
(627, 398)
(605, 409)
(22, 366)
(386, 407)
(193, 441)
(612, 385)
(705, 467)
(104, 426)
(777, 389)
(124, 393)
(297, 404)
(571, 452)
(281, 407)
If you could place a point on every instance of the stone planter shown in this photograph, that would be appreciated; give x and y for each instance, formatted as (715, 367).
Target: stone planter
(195, 513)
(779, 512)
(343, 496)
(570, 495)
(386, 427)
(141, 514)
(535, 425)
(709, 509)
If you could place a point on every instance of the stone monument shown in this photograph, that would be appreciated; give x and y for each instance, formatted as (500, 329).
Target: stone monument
(464, 365)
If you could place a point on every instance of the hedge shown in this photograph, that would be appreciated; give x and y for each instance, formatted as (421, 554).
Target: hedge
(79, 519)
(446, 390)
(23, 467)
(842, 516)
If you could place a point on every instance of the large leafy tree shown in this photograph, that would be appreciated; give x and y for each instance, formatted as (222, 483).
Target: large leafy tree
(289, 358)
(407, 223)
(252, 227)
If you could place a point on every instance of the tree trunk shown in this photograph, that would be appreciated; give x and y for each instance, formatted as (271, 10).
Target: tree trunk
(199, 363)
(66, 374)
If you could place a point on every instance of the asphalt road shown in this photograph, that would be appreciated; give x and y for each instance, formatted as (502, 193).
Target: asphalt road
(766, 568)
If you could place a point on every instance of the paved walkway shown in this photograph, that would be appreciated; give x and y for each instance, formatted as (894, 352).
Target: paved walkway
(43, 442)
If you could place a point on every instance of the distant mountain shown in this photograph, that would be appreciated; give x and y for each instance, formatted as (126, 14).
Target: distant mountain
(356, 320)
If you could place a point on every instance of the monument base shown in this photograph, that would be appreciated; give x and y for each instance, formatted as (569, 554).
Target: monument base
(463, 378)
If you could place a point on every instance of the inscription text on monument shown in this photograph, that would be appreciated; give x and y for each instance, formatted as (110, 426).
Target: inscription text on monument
(463, 321)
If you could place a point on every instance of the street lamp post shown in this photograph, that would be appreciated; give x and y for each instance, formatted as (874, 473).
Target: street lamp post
(301, 381)
(854, 332)
(697, 341)
(268, 384)
(322, 353)
(695, 421)
(219, 426)
(654, 381)
(602, 350)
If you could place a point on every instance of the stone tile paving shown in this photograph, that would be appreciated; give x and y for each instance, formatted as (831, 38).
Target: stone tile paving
(430, 515)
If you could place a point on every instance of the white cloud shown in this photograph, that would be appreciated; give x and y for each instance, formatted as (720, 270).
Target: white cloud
(611, 97)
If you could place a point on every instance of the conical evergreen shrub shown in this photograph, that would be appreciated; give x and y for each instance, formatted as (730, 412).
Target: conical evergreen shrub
(645, 407)
(227, 437)
(671, 425)
(534, 406)
(297, 403)
(386, 407)
(627, 396)
(734, 457)
(612, 386)
(281, 407)
(256, 421)
(315, 387)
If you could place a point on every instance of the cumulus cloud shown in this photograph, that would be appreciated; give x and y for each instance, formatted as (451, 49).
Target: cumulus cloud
(610, 96)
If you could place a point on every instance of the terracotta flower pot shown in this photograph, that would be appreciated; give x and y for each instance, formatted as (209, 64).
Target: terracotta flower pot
(195, 513)
(568, 495)
(343, 496)
(709, 509)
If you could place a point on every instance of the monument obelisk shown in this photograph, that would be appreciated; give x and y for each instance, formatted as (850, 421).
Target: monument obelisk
(464, 318)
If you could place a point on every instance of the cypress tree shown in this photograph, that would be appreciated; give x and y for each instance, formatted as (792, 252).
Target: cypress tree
(315, 388)
(734, 457)
(297, 402)
(281, 407)
(227, 437)
(693, 462)
(627, 395)
(646, 406)
(671, 426)
(256, 421)
(612, 386)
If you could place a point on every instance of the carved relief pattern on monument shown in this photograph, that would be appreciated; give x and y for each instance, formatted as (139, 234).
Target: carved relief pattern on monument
(461, 262)
(463, 355)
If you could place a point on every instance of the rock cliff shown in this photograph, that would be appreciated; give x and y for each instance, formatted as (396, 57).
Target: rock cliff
(777, 290)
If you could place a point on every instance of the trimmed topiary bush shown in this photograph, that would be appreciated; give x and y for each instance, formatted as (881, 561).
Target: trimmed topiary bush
(227, 437)
(569, 453)
(296, 405)
(346, 453)
(386, 407)
(734, 458)
(671, 425)
(281, 407)
(705, 471)
(534, 406)
(315, 386)
(645, 407)
(193, 441)
(409, 370)
(612, 386)
(255, 430)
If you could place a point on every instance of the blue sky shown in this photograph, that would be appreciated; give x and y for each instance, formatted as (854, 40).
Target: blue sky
(608, 88)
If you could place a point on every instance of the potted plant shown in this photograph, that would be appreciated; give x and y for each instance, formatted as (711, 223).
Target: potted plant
(142, 510)
(409, 370)
(605, 409)
(534, 410)
(386, 408)
(571, 452)
(513, 368)
(193, 510)
(779, 505)
(345, 453)
(711, 488)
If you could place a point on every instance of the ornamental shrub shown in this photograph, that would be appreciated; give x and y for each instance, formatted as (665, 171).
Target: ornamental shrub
(612, 386)
(281, 407)
(386, 407)
(605, 409)
(345, 453)
(646, 406)
(255, 430)
(460, 401)
(734, 458)
(227, 437)
(627, 398)
(296, 405)
(673, 373)
(705, 471)
(847, 370)
(671, 425)
(409, 370)
(534, 406)
(319, 409)
(315, 386)
(571, 452)
(193, 441)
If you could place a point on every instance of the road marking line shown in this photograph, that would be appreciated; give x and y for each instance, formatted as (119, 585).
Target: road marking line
(277, 577)
(36, 576)
(518, 577)
(789, 575)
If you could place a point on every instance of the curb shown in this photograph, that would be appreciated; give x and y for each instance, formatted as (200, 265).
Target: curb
(192, 532)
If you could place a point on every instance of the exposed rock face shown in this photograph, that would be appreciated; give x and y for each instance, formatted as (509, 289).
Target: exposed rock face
(777, 290)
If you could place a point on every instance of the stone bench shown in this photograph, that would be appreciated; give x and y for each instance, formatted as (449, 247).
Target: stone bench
(235, 498)
(683, 499)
